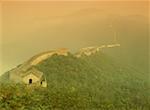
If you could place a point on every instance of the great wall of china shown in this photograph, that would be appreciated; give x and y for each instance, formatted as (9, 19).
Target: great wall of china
(84, 51)
(43, 56)
(91, 50)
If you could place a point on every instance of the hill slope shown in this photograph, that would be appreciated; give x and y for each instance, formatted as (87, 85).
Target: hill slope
(105, 80)
(91, 82)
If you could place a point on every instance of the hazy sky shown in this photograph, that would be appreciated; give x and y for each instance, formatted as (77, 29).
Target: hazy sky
(31, 27)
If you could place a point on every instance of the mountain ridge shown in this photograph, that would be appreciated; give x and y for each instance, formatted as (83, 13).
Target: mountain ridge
(96, 81)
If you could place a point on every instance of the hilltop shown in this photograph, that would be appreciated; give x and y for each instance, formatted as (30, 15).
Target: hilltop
(95, 81)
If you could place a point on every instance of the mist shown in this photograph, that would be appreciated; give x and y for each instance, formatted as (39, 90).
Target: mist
(29, 28)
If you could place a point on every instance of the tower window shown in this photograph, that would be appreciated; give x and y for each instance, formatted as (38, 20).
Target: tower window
(30, 81)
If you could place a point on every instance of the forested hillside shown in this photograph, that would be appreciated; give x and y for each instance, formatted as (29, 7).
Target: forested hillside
(96, 82)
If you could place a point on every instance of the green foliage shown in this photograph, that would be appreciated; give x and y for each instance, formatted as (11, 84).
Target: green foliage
(88, 83)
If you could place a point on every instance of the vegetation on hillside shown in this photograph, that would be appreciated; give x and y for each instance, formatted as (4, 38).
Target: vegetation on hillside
(96, 82)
